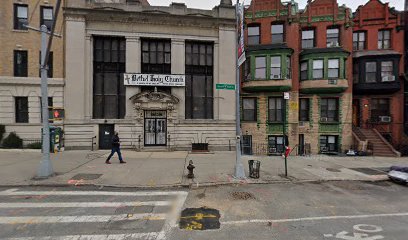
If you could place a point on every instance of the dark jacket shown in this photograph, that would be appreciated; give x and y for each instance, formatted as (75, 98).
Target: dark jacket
(115, 141)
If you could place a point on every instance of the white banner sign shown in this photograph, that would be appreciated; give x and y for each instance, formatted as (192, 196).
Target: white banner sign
(137, 79)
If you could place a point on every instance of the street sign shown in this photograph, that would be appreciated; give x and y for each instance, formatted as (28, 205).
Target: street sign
(286, 95)
(224, 86)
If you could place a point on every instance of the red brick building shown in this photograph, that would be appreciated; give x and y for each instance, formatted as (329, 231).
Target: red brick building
(378, 76)
(306, 53)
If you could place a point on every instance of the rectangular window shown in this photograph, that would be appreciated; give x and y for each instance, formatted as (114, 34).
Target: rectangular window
(371, 72)
(277, 33)
(356, 72)
(384, 39)
(21, 108)
(333, 68)
(359, 40)
(20, 63)
(249, 109)
(156, 56)
(50, 65)
(20, 16)
(276, 68)
(308, 39)
(199, 80)
(328, 144)
(304, 109)
(260, 68)
(303, 71)
(288, 68)
(275, 109)
(318, 66)
(379, 107)
(329, 110)
(332, 36)
(109, 95)
(253, 35)
(47, 17)
(276, 144)
(387, 71)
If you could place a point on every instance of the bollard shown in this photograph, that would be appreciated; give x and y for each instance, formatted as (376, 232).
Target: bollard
(190, 169)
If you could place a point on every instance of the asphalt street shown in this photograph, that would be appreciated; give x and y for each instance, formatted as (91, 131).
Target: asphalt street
(348, 210)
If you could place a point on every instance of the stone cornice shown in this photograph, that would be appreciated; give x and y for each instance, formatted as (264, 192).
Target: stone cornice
(26, 81)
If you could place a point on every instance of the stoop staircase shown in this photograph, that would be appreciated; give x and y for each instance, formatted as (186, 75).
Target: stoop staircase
(381, 147)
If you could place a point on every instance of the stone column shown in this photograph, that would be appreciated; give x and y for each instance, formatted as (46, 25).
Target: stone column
(178, 65)
(88, 77)
(75, 69)
(133, 65)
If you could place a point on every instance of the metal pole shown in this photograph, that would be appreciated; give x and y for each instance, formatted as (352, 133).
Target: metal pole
(239, 167)
(45, 169)
(284, 135)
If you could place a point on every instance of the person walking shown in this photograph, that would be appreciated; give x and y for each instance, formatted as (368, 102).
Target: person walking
(115, 148)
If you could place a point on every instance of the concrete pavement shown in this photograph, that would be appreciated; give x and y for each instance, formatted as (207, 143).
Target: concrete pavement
(165, 169)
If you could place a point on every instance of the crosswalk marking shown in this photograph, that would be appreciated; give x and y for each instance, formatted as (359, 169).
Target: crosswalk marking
(83, 204)
(80, 219)
(13, 192)
(144, 236)
(162, 220)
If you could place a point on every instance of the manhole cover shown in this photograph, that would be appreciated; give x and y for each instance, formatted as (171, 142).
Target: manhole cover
(368, 171)
(83, 176)
(242, 196)
(333, 170)
(200, 219)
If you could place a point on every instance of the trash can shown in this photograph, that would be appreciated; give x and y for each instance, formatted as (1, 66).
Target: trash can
(254, 167)
(55, 139)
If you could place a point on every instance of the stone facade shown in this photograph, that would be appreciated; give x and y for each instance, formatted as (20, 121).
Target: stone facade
(11, 86)
(84, 20)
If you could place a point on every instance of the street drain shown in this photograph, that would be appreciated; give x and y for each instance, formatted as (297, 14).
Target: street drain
(368, 171)
(84, 176)
(333, 170)
(242, 196)
(200, 219)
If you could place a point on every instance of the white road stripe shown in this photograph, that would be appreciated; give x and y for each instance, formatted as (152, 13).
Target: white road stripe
(14, 192)
(80, 219)
(83, 204)
(140, 236)
(314, 218)
(171, 220)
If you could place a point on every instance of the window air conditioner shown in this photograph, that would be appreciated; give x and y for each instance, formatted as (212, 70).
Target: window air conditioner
(333, 81)
(385, 119)
(388, 78)
(276, 77)
(301, 124)
(323, 119)
(272, 150)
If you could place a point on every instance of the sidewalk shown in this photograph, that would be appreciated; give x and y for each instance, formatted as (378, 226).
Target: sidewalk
(167, 169)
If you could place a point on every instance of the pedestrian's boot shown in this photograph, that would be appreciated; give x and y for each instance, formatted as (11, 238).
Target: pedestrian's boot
(122, 161)
(107, 162)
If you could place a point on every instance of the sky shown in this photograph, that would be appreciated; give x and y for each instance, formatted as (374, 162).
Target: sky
(209, 4)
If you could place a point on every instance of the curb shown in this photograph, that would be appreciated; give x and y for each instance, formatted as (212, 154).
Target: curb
(194, 185)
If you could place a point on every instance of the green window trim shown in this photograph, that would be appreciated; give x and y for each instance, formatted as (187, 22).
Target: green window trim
(284, 68)
(342, 67)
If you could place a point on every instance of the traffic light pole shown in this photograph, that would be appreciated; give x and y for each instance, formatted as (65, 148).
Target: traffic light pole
(45, 169)
(239, 167)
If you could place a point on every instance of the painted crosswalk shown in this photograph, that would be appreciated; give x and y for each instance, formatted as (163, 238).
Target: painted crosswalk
(27, 214)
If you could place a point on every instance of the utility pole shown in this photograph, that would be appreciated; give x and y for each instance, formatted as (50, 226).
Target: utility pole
(239, 167)
(45, 169)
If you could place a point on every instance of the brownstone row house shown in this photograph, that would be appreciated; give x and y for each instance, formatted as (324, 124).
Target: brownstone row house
(310, 54)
